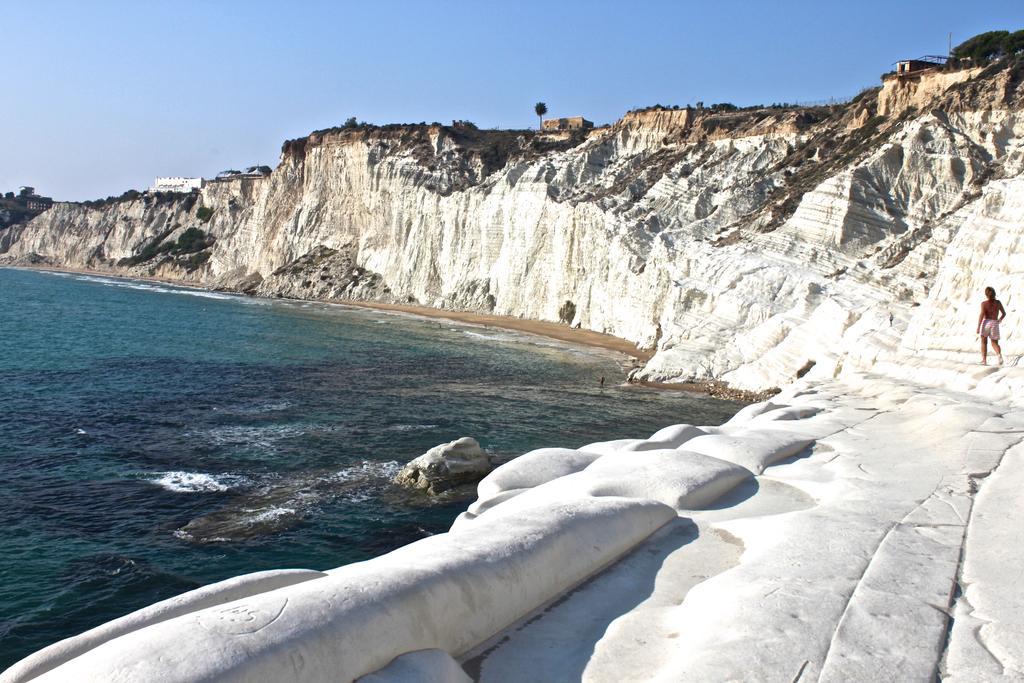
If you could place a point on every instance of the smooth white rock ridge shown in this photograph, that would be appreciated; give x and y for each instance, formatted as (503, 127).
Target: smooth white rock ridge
(534, 468)
(674, 436)
(677, 478)
(545, 464)
(448, 592)
(754, 450)
(849, 556)
(220, 593)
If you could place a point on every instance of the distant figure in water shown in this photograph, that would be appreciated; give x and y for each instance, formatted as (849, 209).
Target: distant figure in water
(890, 320)
(992, 313)
(602, 381)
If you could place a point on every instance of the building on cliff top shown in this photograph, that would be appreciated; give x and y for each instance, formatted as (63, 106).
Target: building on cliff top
(22, 207)
(912, 67)
(251, 172)
(33, 202)
(569, 123)
(176, 184)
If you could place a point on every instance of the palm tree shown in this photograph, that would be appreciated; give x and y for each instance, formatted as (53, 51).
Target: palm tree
(541, 109)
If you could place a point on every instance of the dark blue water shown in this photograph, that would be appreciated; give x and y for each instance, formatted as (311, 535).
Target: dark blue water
(154, 439)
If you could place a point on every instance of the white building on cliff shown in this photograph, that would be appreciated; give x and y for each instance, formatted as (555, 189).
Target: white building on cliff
(176, 184)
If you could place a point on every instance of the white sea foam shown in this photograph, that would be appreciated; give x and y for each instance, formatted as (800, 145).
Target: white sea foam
(138, 285)
(259, 408)
(489, 337)
(532, 340)
(270, 514)
(101, 280)
(186, 536)
(262, 437)
(304, 493)
(213, 295)
(408, 428)
(185, 291)
(367, 469)
(197, 482)
(182, 291)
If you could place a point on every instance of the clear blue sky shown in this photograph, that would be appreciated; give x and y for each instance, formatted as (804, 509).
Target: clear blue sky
(100, 97)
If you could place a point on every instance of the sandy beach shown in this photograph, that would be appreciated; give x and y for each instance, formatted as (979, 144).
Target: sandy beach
(538, 327)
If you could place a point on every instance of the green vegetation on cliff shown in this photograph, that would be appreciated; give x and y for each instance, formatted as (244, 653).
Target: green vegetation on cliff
(990, 45)
(190, 242)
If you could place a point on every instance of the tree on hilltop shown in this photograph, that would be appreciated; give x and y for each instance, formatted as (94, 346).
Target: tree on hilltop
(1014, 43)
(989, 45)
(540, 108)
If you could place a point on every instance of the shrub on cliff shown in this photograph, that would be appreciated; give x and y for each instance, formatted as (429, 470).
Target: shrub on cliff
(567, 312)
(191, 240)
(204, 213)
(194, 261)
(129, 195)
(150, 250)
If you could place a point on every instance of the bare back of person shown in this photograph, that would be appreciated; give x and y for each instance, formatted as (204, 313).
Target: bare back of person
(990, 308)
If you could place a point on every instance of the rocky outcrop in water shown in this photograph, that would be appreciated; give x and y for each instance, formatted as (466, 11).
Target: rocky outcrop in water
(446, 467)
(743, 246)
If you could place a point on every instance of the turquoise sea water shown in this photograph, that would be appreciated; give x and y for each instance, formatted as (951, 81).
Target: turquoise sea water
(154, 439)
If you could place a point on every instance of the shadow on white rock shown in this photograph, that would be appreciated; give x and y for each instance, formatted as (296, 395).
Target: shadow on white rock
(422, 666)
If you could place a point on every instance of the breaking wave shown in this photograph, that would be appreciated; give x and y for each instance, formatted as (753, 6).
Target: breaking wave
(197, 482)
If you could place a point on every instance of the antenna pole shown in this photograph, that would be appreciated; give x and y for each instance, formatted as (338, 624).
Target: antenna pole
(949, 53)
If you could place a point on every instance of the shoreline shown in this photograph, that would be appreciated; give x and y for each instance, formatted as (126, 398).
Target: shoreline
(540, 328)
(537, 327)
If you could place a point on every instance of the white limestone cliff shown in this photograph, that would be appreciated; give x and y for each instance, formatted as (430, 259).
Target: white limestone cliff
(741, 246)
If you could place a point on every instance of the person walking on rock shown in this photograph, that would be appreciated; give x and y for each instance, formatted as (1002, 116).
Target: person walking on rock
(992, 313)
